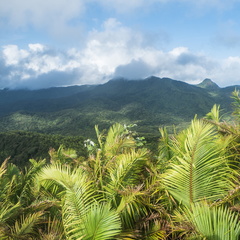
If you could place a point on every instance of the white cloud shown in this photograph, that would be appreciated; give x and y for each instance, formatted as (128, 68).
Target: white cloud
(36, 67)
(13, 55)
(127, 6)
(229, 71)
(113, 46)
(112, 52)
(204, 5)
(37, 47)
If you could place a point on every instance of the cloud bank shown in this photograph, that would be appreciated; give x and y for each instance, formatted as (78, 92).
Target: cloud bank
(115, 51)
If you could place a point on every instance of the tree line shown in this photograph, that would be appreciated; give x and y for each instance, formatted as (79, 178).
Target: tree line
(20, 146)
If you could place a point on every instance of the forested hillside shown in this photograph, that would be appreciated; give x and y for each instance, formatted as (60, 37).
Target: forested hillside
(121, 190)
(20, 146)
(149, 103)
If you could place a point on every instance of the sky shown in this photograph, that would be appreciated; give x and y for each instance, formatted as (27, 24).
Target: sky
(49, 43)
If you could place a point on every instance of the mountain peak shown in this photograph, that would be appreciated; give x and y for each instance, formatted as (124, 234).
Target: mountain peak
(208, 84)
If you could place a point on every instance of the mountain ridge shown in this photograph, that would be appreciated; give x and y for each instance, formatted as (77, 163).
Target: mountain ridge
(150, 103)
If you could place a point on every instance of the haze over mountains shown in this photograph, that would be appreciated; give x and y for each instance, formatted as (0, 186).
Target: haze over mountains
(74, 110)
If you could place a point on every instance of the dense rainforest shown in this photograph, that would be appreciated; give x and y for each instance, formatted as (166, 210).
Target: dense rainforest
(116, 187)
(34, 121)
(74, 111)
(19, 146)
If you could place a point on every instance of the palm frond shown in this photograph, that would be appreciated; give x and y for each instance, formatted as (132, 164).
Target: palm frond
(26, 226)
(75, 207)
(214, 114)
(102, 223)
(236, 103)
(28, 181)
(3, 167)
(126, 169)
(199, 169)
(78, 197)
(214, 222)
(88, 219)
(63, 176)
(55, 230)
(8, 211)
(117, 140)
(155, 232)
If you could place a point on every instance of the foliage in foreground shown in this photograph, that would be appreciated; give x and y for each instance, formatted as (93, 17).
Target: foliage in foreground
(122, 191)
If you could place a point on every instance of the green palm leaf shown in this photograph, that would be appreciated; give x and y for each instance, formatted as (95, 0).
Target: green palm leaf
(102, 223)
(83, 216)
(64, 176)
(214, 222)
(54, 230)
(117, 140)
(199, 168)
(8, 211)
(3, 167)
(26, 226)
(75, 207)
(126, 169)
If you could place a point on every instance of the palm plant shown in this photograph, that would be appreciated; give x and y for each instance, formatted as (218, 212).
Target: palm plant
(199, 168)
(111, 185)
(85, 214)
(123, 174)
(202, 177)
(231, 131)
(21, 212)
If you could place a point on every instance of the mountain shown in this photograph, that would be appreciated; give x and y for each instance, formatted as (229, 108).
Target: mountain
(208, 84)
(74, 110)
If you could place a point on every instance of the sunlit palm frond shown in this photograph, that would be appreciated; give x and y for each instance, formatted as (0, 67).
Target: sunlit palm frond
(128, 203)
(214, 222)
(55, 230)
(236, 103)
(75, 207)
(63, 176)
(214, 114)
(199, 169)
(79, 204)
(117, 140)
(156, 232)
(26, 226)
(71, 181)
(102, 223)
(8, 211)
(165, 151)
(126, 169)
(88, 219)
(3, 167)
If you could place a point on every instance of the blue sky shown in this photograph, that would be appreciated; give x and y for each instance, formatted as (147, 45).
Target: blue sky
(67, 42)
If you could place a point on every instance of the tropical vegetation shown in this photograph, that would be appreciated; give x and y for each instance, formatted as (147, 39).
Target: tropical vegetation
(122, 190)
(75, 110)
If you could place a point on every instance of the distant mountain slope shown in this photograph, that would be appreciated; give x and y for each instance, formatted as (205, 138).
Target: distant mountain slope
(36, 100)
(208, 84)
(75, 110)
